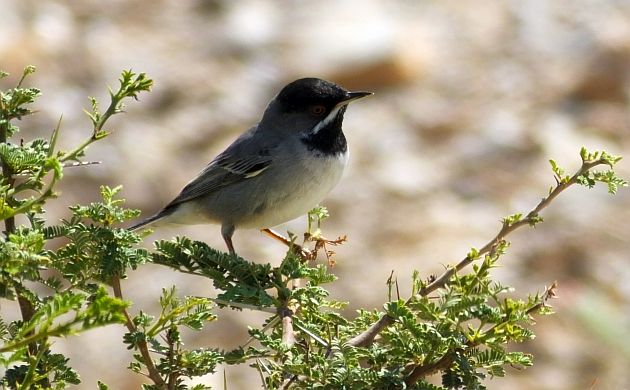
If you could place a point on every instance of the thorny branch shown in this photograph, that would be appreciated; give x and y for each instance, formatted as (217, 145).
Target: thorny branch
(367, 337)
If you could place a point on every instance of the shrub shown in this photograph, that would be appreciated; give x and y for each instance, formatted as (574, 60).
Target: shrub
(457, 324)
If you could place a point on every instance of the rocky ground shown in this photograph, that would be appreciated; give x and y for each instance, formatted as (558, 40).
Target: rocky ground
(472, 100)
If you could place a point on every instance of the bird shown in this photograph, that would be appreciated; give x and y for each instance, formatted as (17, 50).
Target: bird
(274, 172)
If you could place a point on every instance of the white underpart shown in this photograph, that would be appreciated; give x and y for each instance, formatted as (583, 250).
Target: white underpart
(323, 174)
(329, 118)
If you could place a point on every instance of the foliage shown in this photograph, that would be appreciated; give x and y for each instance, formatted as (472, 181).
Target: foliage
(175, 364)
(458, 324)
(60, 292)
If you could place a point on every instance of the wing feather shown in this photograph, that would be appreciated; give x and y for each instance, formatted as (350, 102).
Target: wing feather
(223, 171)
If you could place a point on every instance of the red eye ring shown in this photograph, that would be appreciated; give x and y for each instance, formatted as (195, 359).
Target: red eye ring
(317, 110)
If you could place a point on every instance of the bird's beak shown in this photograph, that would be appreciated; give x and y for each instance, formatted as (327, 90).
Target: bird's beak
(352, 96)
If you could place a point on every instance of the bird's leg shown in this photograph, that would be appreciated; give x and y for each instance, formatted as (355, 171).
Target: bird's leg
(228, 241)
(226, 232)
(303, 252)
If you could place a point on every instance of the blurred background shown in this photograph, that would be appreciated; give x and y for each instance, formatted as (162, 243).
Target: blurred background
(472, 100)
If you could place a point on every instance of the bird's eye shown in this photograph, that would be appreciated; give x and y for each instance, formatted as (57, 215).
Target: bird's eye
(318, 110)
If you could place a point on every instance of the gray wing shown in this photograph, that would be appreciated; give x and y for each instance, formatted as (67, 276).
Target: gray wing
(234, 165)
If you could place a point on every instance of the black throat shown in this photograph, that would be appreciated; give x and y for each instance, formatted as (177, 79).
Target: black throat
(329, 140)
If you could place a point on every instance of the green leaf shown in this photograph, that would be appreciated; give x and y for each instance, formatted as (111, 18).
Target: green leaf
(512, 219)
(102, 386)
(241, 281)
(559, 172)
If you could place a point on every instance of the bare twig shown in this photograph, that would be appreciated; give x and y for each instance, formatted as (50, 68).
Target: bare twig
(142, 345)
(288, 336)
(531, 218)
(173, 369)
(367, 337)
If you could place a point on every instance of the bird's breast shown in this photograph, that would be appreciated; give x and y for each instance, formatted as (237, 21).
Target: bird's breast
(292, 190)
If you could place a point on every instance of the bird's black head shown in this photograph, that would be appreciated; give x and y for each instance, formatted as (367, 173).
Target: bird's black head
(304, 94)
(313, 109)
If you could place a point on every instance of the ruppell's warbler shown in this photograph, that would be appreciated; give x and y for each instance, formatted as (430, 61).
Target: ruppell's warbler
(275, 171)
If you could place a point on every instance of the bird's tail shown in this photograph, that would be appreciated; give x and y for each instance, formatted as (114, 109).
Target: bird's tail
(149, 220)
